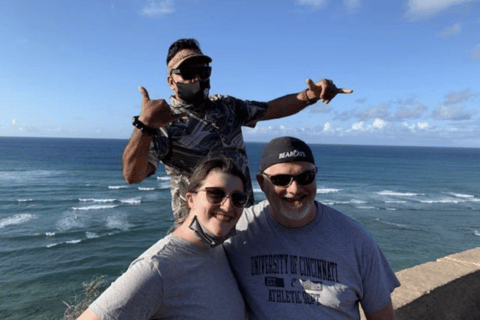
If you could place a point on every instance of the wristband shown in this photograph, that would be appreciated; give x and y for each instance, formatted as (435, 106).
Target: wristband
(142, 127)
(306, 99)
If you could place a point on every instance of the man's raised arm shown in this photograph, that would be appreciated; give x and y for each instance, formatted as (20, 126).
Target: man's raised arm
(154, 114)
(324, 90)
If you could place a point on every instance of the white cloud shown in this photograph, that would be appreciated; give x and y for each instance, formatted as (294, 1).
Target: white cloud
(380, 111)
(315, 4)
(410, 113)
(419, 126)
(359, 126)
(450, 31)
(425, 8)
(445, 112)
(475, 53)
(379, 124)
(423, 125)
(13, 121)
(157, 7)
(328, 127)
(457, 97)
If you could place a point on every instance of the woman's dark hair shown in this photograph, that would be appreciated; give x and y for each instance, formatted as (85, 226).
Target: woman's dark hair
(225, 165)
(181, 44)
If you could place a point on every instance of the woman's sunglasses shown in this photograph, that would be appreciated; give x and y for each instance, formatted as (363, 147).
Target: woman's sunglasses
(217, 195)
(285, 180)
(189, 73)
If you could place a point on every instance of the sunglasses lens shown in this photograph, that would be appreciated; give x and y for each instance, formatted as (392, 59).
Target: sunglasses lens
(306, 178)
(281, 179)
(303, 179)
(216, 196)
(239, 199)
(189, 73)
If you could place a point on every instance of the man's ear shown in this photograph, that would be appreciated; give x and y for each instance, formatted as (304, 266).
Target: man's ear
(189, 199)
(171, 83)
(261, 180)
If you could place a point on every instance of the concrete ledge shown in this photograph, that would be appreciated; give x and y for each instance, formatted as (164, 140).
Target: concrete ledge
(448, 288)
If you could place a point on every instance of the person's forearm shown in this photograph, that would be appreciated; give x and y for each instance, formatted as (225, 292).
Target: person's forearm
(289, 104)
(135, 158)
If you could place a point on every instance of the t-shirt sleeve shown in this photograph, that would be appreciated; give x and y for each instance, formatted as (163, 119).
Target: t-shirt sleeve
(136, 294)
(378, 280)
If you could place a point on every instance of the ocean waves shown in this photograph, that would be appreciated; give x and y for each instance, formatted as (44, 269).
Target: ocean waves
(367, 198)
(17, 219)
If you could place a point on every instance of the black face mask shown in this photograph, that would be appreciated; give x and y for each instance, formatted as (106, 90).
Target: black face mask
(194, 93)
(206, 236)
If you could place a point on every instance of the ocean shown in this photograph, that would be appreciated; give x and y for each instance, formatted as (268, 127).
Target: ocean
(67, 215)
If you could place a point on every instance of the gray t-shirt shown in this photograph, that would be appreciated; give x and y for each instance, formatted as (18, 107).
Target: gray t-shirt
(174, 279)
(321, 271)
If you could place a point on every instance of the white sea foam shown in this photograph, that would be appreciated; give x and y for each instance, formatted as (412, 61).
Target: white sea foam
(164, 185)
(459, 195)
(392, 223)
(50, 234)
(353, 201)
(328, 202)
(69, 221)
(116, 187)
(476, 232)
(28, 176)
(145, 189)
(96, 207)
(367, 208)
(25, 200)
(395, 201)
(17, 219)
(91, 235)
(442, 200)
(327, 190)
(399, 194)
(163, 178)
(96, 200)
(52, 245)
(118, 222)
(131, 201)
(74, 241)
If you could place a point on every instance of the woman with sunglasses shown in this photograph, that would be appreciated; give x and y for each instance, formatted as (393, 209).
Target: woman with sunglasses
(186, 274)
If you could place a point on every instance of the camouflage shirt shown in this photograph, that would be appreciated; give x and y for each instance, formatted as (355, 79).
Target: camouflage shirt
(215, 130)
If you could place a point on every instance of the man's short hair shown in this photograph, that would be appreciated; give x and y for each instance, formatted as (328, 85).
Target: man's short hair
(186, 49)
(285, 149)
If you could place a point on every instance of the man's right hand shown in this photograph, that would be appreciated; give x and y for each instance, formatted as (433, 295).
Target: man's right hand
(156, 113)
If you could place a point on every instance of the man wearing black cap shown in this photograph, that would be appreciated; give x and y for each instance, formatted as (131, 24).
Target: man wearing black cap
(197, 125)
(296, 258)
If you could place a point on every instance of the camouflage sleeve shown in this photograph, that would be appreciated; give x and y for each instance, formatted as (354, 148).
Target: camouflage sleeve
(159, 149)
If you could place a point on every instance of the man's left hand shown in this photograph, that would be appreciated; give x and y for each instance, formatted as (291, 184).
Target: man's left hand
(325, 90)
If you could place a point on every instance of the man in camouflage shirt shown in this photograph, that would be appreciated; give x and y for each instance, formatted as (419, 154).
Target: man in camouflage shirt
(197, 125)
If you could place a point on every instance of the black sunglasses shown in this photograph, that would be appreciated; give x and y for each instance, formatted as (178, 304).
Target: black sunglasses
(190, 72)
(217, 195)
(285, 180)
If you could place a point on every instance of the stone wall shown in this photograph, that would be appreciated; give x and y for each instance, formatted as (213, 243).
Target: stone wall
(448, 288)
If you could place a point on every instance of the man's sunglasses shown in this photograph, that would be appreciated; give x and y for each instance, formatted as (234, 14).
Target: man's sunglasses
(217, 195)
(285, 180)
(190, 72)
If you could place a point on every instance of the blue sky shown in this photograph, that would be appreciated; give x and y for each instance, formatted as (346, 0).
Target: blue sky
(71, 68)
